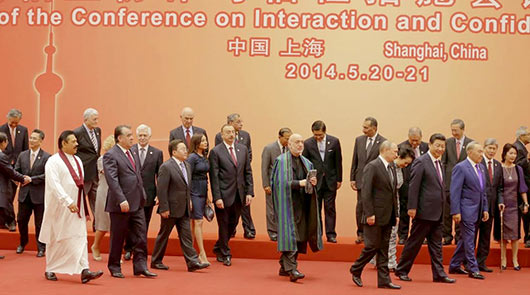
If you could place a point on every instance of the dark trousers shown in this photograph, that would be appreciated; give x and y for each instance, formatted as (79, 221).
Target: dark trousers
(226, 221)
(421, 229)
(148, 212)
(184, 231)
(327, 196)
(359, 214)
(25, 209)
(272, 227)
(9, 213)
(91, 188)
(246, 219)
(484, 238)
(128, 224)
(404, 219)
(526, 226)
(376, 240)
(465, 248)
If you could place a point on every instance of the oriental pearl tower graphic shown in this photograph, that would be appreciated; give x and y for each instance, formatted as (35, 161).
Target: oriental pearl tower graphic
(48, 85)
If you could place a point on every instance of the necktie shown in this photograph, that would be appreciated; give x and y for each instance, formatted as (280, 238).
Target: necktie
(439, 171)
(13, 136)
(490, 171)
(480, 176)
(130, 159)
(458, 148)
(184, 173)
(322, 149)
(142, 156)
(233, 155)
(237, 137)
(369, 146)
(283, 149)
(188, 138)
(93, 139)
(389, 168)
(32, 160)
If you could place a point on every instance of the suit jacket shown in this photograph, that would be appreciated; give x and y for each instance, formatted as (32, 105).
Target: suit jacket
(125, 183)
(228, 180)
(149, 170)
(268, 156)
(467, 197)
(522, 160)
(21, 142)
(378, 193)
(87, 152)
(7, 173)
(242, 137)
(178, 133)
(360, 158)
(35, 189)
(174, 193)
(404, 189)
(426, 193)
(495, 189)
(449, 159)
(329, 171)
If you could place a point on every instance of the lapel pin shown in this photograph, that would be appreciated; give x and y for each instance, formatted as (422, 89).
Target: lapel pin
(38, 158)
(18, 131)
(150, 153)
(238, 150)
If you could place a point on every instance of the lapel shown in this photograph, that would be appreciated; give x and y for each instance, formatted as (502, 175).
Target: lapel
(38, 158)
(471, 170)
(382, 168)
(239, 156)
(148, 152)
(227, 153)
(377, 139)
(124, 157)
(87, 138)
(314, 144)
(179, 170)
(364, 139)
(433, 168)
(180, 133)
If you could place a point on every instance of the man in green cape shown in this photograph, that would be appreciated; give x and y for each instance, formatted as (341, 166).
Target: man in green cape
(296, 205)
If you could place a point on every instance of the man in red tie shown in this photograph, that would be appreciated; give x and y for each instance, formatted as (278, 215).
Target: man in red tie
(185, 131)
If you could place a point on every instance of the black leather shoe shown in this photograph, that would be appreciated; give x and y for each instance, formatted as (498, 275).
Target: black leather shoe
(127, 255)
(447, 242)
(220, 258)
(446, 280)
(404, 278)
(476, 275)
(527, 244)
(197, 265)
(458, 271)
(357, 280)
(359, 240)
(2, 257)
(227, 261)
(12, 226)
(249, 236)
(295, 275)
(159, 266)
(425, 242)
(118, 275)
(50, 276)
(274, 238)
(283, 273)
(40, 253)
(503, 267)
(88, 275)
(20, 249)
(146, 274)
(401, 242)
(485, 269)
(390, 286)
(332, 240)
(517, 268)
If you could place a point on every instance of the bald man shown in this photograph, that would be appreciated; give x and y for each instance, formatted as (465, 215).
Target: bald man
(185, 131)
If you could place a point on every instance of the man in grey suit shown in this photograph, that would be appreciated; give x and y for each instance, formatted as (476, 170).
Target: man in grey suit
(174, 187)
(241, 137)
(523, 138)
(232, 188)
(454, 154)
(31, 196)
(366, 149)
(419, 147)
(269, 154)
(185, 131)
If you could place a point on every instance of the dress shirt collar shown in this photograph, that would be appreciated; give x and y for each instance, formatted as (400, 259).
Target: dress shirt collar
(35, 152)
(228, 146)
(487, 160)
(384, 162)
(177, 160)
(146, 147)
(373, 137)
(280, 145)
(433, 159)
(122, 148)
(472, 163)
(87, 129)
(190, 129)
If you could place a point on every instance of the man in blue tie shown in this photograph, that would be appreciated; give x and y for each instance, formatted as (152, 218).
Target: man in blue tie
(468, 203)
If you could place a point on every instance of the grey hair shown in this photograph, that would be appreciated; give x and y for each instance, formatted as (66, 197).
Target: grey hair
(471, 146)
(523, 130)
(89, 113)
(415, 131)
(385, 145)
(491, 141)
(186, 110)
(232, 117)
(143, 127)
(14, 113)
(460, 123)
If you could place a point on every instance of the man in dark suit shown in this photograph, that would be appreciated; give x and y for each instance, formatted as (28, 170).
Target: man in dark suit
(31, 196)
(174, 187)
(494, 190)
(150, 160)
(186, 130)
(523, 138)
(241, 137)
(380, 213)
(425, 207)
(268, 156)
(454, 154)
(232, 188)
(323, 150)
(469, 203)
(17, 142)
(419, 147)
(366, 149)
(125, 202)
(89, 139)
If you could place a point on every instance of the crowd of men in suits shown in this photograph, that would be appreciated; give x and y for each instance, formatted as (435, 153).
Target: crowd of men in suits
(421, 208)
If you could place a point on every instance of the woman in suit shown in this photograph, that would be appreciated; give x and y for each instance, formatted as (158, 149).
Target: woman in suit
(199, 167)
(514, 201)
(102, 218)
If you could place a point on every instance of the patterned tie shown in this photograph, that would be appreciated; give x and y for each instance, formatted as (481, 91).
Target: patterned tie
(142, 156)
(233, 155)
(188, 138)
(490, 171)
(458, 148)
(184, 173)
(480, 176)
(131, 160)
(369, 147)
(439, 171)
(32, 160)
(93, 139)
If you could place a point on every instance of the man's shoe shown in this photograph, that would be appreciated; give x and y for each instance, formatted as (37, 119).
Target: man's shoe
(197, 265)
(359, 240)
(357, 280)
(283, 273)
(458, 271)
(88, 275)
(50, 276)
(146, 274)
(12, 226)
(485, 269)
(447, 241)
(127, 255)
(527, 244)
(390, 286)
(159, 266)
(249, 236)
(20, 249)
(274, 238)
(295, 275)
(40, 253)
(227, 261)
(476, 275)
(2, 257)
(332, 240)
(517, 268)
(118, 275)
(401, 242)
(446, 280)
(404, 278)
